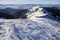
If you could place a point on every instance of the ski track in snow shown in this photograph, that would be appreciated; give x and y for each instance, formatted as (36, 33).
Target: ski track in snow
(32, 28)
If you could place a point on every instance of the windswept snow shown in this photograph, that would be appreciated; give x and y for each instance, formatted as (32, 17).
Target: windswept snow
(38, 26)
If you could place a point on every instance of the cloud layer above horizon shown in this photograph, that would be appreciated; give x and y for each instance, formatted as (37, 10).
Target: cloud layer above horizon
(29, 1)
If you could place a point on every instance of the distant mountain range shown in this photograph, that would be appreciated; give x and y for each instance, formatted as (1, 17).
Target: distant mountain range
(43, 5)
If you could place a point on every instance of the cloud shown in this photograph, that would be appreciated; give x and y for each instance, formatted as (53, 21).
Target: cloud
(29, 1)
(8, 1)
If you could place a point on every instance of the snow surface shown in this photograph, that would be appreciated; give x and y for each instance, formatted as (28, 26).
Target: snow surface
(37, 26)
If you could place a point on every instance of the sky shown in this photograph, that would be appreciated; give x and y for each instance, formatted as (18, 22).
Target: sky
(29, 1)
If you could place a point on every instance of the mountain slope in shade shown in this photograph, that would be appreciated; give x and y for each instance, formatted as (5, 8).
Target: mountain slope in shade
(38, 26)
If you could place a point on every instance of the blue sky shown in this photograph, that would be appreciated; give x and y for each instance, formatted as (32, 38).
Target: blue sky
(29, 1)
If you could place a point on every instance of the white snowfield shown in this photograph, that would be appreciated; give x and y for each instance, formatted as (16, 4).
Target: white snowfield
(37, 26)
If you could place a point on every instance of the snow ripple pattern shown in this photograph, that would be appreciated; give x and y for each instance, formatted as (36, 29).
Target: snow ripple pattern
(24, 29)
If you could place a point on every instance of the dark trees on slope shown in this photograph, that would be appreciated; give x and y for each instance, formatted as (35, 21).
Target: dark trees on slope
(55, 11)
(18, 14)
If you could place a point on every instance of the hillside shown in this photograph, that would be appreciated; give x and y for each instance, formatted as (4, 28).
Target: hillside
(37, 26)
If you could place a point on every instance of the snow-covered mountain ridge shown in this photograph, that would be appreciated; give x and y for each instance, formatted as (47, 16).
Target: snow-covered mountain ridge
(38, 26)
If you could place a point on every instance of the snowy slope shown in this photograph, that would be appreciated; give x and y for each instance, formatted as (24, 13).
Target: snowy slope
(37, 26)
